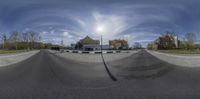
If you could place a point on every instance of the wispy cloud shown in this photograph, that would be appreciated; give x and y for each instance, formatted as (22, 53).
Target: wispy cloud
(135, 20)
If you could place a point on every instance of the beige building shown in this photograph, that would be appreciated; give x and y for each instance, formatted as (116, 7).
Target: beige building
(118, 44)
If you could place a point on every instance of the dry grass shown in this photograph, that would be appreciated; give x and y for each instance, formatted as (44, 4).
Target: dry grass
(11, 51)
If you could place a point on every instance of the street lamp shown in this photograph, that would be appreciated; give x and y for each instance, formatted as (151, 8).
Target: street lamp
(100, 30)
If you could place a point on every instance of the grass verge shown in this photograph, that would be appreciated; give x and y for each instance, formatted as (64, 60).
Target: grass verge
(11, 51)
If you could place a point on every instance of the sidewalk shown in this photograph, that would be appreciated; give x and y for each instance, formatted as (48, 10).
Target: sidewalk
(9, 59)
(180, 60)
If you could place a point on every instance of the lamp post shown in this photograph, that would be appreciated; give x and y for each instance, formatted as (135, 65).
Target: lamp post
(101, 43)
(100, 30)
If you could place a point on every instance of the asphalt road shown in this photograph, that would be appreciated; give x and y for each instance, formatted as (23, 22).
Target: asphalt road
(140, 76)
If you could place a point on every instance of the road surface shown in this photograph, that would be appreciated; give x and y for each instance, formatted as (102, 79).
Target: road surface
(140, 76)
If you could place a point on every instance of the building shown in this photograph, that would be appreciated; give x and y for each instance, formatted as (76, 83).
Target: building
(118, 44)
(88, 43)
(105, 47)
(167, 41)
(91, 47)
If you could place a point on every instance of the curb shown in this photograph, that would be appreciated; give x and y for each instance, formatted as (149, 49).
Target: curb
(94, 52)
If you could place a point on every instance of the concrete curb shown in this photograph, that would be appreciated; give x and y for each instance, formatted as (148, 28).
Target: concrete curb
(92, 57)
(94, 52)
(180, 60)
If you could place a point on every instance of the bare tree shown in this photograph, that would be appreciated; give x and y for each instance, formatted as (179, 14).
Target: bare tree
(14, 38)
(137, 45)
(190, 37)
(3, 37)
(25, 37)
(33, 37)
(25, 40)
(169, 33)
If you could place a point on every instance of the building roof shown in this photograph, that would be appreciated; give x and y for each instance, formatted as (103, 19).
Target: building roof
(88, 40)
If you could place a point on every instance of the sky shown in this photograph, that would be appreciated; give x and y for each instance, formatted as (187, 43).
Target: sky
(70, 20)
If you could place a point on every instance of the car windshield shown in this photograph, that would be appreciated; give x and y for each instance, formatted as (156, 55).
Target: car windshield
(99, 49)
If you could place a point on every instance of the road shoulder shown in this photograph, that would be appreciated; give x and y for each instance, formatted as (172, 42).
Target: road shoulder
(180, 60)
(6, 60)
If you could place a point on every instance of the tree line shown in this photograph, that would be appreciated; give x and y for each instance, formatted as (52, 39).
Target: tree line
(188, 42)
(20, 41)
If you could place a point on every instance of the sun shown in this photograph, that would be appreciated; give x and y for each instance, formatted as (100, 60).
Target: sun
(100, 29)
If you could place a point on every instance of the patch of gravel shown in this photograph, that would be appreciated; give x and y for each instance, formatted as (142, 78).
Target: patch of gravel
(15, 58)
(180, 60)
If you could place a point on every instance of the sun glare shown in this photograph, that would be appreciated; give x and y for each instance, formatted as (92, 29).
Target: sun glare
(100, 29)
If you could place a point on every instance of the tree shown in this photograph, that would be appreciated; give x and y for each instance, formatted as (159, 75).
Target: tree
(190, 38)
(150, 46)
(197, 46)
(3, 38)
(169, 33)
(25, 37)
(137, 45)
(78, 46)
(182, 45)
(41, 46)
(33, 37)
(14, 38)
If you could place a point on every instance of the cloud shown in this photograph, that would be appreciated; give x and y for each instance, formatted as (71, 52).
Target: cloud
(65, 34)
(113, 24)
(137, 20)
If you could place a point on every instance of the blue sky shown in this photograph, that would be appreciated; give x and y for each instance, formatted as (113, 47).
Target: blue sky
(135, 20)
